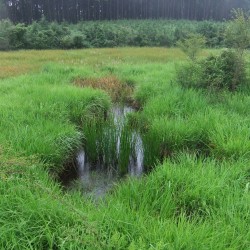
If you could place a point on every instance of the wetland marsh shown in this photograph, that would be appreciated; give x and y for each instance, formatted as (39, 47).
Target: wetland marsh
(191, 149)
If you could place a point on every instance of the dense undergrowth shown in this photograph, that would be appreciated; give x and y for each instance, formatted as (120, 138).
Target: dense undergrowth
(196, 144)
(46, 35)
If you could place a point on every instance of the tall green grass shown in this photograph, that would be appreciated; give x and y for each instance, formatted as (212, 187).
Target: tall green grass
(189, 203)
(101, 143)
(180, 119)
(196, 194)
(40, 115)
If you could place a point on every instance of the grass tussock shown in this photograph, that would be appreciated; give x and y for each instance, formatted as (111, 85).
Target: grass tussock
(39, 116)
(33, 210)
(189, 197)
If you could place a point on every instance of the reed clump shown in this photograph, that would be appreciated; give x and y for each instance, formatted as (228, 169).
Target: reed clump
(108, 144)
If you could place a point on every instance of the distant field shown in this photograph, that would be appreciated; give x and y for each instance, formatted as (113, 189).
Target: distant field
(26, 61)
(19, 62)
(195, 194)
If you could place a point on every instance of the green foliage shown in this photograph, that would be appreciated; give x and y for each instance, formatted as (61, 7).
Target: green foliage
(192, 45)
(78, 41)
(224, 71)
(213, 33)
(51, 35)
(237, 34)
(16, 36)
(44, 35)
(4, 39)
(66, 42)
(189, 75)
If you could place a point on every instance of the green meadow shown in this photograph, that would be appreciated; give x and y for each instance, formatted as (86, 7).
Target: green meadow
(195, 192)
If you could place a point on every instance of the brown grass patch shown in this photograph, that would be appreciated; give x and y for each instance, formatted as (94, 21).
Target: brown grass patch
(8, 71)
(118, 91)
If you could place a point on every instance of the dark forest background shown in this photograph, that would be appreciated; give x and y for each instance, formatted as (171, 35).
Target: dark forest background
(60, 24)
(73, 11)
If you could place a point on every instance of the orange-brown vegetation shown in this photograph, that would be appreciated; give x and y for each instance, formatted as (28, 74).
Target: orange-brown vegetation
(116, 89)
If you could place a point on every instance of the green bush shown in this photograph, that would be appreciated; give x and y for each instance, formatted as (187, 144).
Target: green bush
(66, 42)
(237, 33)
(78, 41)
(224, 71)
(189, 75)
(4, 39)
(16, 36)
(192, 45)
(212, 32)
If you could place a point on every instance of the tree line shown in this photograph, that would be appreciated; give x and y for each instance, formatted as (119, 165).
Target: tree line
(95, 34)
(73, 11)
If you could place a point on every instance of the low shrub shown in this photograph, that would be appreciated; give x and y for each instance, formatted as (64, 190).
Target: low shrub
(79, 41)
(224, 71)
(189, 75)
(66, 42)
(192, 45)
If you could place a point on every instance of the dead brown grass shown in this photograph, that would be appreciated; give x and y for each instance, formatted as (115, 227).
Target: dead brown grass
(117, 90)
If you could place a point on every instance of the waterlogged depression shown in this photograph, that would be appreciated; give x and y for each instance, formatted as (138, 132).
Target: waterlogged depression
(96, 179)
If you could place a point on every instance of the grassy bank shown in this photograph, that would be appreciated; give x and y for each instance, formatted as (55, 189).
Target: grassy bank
(196, 146)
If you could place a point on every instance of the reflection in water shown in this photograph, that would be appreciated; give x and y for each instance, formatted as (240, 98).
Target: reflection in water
(136, 159)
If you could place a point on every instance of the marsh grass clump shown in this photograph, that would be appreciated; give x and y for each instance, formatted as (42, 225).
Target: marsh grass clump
(175, 121)
(44, 125)
(193, 194)
(126, 149)
(167, 137)
(108, 144)
(40, 210)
